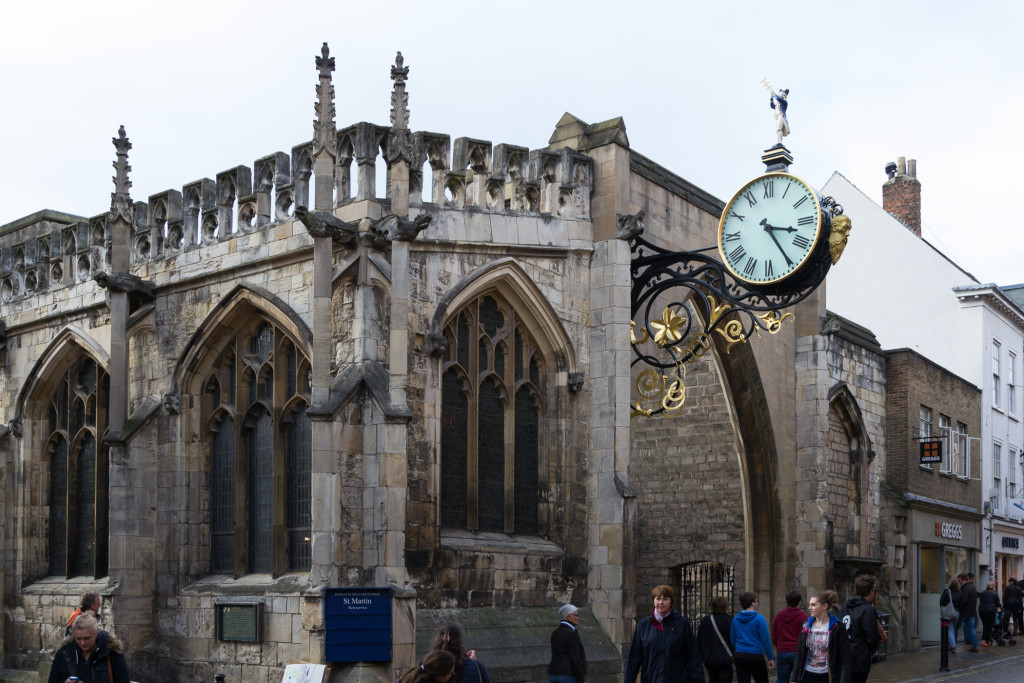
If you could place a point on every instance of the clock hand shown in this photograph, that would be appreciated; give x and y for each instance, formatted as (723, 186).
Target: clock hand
(768, 229)
(767, 226)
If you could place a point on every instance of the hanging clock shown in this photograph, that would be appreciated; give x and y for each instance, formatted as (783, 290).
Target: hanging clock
(771, 230)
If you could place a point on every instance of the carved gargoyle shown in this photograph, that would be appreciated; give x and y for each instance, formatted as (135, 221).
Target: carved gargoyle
(324, 224)
(125, 282)
(629, 227)
(392, 228)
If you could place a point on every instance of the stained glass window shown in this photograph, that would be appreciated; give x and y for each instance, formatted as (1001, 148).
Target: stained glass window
(490, 421)
(244, 457)
(78, 472)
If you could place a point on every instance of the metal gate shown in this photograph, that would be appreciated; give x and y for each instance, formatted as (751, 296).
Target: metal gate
(699, 582)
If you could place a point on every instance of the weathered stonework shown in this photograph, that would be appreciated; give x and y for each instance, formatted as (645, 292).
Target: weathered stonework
(365, 315)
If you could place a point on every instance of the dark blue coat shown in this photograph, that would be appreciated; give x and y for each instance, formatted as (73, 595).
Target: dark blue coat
(664, 656)
(69, 661)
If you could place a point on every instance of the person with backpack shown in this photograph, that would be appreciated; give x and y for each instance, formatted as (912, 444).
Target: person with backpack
(861, 621)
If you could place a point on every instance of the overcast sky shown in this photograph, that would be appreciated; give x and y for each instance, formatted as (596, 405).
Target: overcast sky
(204, 86)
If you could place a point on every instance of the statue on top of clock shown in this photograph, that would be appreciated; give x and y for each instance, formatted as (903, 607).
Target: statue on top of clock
(780, 102)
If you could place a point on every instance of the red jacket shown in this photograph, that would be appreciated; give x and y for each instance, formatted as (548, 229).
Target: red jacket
(786, 628)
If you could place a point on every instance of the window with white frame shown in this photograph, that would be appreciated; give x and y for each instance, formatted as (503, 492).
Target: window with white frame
(1011, 383)
(996, 354)
(945, 431)
(997, 476)
(1011, 470)
(962, 452)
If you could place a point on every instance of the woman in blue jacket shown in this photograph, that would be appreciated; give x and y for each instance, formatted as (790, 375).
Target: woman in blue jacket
(823, 654)
(664, 649)
(751, 644)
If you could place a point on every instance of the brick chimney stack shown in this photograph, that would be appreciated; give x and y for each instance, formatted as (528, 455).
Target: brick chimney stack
(901, 193)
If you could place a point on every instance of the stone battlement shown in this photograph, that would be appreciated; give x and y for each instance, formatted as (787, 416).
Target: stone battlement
(50, 250)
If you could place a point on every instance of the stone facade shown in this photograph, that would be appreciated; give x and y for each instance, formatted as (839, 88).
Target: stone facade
(285, 378)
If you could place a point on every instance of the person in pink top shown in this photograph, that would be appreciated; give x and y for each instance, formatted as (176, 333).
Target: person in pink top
(786, 634)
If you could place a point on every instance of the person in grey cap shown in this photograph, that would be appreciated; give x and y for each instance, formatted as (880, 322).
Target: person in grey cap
(568, 660)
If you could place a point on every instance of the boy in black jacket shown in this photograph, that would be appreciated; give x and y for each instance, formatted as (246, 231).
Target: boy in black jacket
(861, 621)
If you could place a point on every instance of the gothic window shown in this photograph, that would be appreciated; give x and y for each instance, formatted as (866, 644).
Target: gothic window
(491, 412)
(76, 425)
(260, 447)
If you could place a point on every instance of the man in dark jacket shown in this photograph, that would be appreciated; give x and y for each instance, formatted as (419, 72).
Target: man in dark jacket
(968, 609)
(664, 649)
(1013, 601)
(861, 621)
(568, 660)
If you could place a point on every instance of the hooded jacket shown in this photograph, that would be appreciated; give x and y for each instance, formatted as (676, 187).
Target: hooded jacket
(839, 654)
(69, 661)
(665, 655)
(861, 622)
(786, 628)
(749, 633)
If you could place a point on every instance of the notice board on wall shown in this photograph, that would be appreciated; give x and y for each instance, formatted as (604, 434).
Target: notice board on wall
(357, 624)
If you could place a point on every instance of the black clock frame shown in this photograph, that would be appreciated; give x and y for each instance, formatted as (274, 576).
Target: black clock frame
(708, 284)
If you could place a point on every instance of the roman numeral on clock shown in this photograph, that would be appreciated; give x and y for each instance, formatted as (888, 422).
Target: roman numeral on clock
(769, 189)
(801, 241)
(749, 196)
(806, 220)
(737, 253)
(800, 201)
(735, 215)
(768, 270)
(750, 266)
(730, 236)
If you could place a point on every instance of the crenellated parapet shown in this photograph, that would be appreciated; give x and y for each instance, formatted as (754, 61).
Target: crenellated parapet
(50, 250)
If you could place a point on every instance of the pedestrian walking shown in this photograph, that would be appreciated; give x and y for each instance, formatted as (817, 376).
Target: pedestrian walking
(786, 627)
(823, 652)
(988, 609)
(713, 641)
(951, 597)
(968, 608)
(1013, 602)
(751, 644)
(468, 669)
(861, 621)
(568, 660)
(89, 654)
(663, 648)
(437, 667)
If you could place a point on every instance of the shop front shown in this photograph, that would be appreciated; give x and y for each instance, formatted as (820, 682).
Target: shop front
(947, 543)
(1008, 547)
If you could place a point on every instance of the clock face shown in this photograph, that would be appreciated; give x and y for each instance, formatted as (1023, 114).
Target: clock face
(770, 228)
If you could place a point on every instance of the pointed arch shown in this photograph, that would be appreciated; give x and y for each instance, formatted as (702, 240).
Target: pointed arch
(66, 461)
(245, 380)
(523, 294)
(63, 348)
(240, 304)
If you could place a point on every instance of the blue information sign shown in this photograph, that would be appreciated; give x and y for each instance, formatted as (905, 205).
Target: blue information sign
(357, 624)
